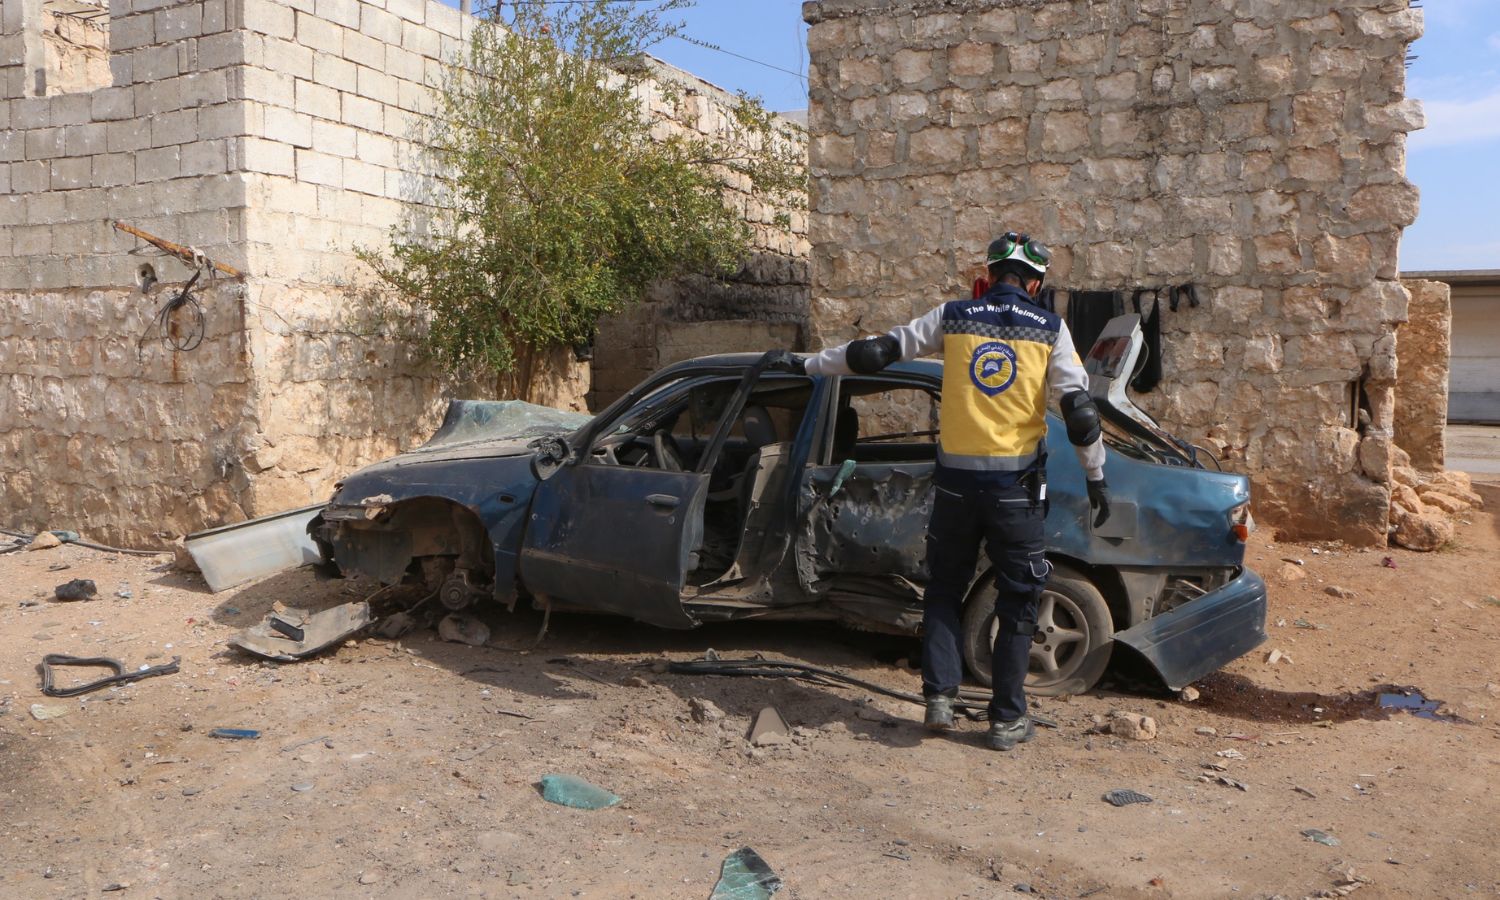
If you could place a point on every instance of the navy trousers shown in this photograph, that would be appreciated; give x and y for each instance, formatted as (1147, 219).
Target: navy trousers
(1009, 522)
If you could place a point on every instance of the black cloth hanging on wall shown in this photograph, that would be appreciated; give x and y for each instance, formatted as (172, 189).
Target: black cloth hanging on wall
(1089, 312)
(1150, 375)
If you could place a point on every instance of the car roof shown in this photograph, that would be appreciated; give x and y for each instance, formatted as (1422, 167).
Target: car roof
(928, 367)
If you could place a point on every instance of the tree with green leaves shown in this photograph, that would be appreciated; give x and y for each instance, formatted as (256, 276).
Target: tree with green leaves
(555, 205)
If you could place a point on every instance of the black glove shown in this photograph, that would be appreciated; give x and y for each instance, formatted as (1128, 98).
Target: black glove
(784, 361)
(1099, 501)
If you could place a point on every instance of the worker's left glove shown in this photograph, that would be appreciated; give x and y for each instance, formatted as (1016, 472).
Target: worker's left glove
(785, 361)
(1099, 501)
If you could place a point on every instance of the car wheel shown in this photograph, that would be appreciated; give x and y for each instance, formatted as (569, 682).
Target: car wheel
(1075, 634)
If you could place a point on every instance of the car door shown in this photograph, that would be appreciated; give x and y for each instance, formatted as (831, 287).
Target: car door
(869, 494)
(621, 539)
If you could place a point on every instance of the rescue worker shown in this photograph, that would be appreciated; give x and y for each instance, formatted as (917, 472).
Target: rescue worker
(1001, 355)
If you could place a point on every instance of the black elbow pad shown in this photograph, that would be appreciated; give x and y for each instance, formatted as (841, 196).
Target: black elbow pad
(870, 355)
(1082, 418)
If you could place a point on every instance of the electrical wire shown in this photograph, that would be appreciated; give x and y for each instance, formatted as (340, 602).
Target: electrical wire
(81, 543)
(163, 321)
(717, 49)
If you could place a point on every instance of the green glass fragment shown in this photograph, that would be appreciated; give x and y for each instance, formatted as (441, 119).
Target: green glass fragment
(745, 876)
(570, 790)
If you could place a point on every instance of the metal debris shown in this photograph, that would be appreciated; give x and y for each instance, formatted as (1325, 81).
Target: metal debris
(769, 729)
(1125, 797)
(319, 631)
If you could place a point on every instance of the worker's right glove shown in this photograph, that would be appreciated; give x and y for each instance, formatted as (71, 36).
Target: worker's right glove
(784, 361)
(1099, 501)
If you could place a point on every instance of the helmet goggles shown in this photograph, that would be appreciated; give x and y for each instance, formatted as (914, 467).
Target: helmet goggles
(1020, 247)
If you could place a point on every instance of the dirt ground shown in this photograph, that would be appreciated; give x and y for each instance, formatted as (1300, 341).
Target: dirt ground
(409, 769)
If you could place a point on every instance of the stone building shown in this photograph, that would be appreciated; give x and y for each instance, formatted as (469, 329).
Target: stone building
(270, 136)
(1254, 149)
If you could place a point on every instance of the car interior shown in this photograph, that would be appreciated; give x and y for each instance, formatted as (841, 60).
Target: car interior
(878, 420)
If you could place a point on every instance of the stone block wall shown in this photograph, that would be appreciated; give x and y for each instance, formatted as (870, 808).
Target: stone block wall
(1422, 355)
(1255, 149)
(272, 135)
(105, 433)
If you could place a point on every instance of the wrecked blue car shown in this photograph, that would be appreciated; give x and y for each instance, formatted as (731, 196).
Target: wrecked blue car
(718, 490)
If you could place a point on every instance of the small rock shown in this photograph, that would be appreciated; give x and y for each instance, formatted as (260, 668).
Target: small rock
(1230, 754)
(1206, 730)
(124, 593)
(41, 712)
(1132, 726)
(368, 878)
(190, 791)
(1189, 694)
(636, 681)
(1274, 657)
(112, 886)
(461, 628)
(302, 787)
(77, 589)
(1334, 590)
(870, 714)
(1290, 573)
(1425, 532)
(704, 711)
(45, 540)
(182, 560)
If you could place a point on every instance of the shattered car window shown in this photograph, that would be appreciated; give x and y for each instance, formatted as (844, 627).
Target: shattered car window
(467, 421)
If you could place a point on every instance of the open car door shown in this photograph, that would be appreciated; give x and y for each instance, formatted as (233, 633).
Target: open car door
(622, 539)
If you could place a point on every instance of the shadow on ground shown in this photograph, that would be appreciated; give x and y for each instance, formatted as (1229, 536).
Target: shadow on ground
(589, 656)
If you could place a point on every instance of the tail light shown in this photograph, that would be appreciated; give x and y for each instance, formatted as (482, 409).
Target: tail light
(1241, 523)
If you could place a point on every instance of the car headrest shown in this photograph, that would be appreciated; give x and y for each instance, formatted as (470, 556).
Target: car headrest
(759, 429)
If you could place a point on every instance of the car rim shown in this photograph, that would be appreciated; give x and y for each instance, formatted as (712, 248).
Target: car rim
(1062, 637)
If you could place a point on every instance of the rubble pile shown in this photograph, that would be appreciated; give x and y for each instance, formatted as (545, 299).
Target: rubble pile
(1423, 506)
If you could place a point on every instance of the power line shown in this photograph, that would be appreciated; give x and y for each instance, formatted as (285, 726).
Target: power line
(717, 49)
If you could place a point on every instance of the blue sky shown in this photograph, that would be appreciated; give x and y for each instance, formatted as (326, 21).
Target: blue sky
(1455, 160)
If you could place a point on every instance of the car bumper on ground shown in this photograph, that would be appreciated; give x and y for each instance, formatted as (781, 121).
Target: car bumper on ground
(1203, 635)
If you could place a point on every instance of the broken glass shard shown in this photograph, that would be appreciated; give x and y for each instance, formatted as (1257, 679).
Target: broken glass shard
(745, 876)
(570, 790)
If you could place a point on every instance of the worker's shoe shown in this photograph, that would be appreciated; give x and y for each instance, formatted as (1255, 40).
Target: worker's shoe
(1005, 735)
(939, 713)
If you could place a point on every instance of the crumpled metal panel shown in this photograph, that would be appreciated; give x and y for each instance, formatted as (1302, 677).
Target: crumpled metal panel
(245, 551)
(874, 524)
(1201, 636)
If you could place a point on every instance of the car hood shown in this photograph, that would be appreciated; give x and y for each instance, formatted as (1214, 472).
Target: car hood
(472, 430)
(476, 429)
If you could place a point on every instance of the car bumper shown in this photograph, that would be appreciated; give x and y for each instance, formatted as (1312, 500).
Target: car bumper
(1203, 635)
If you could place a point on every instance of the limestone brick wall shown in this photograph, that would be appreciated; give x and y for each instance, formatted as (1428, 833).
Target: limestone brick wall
(1422, 353)
(273, 136)
(75, 39)
(1256, 149)
(104, 435)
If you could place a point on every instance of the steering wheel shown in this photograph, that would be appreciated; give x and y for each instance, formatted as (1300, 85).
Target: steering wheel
(668, 456)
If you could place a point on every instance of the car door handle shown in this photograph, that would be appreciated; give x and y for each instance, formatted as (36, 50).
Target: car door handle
(666, 500)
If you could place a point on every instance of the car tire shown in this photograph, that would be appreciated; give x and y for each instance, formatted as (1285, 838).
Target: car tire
(1070, 604)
